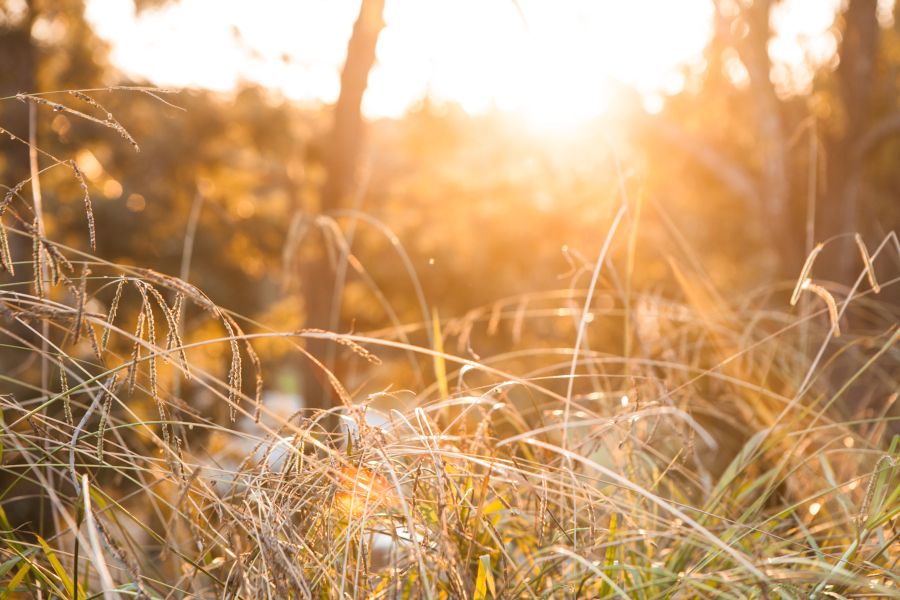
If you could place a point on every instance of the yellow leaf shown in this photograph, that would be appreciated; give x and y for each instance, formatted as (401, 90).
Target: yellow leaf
(59, 569)
(610, 558)
(494, 506)
(15, 581)
(485, 561)
(480, 592)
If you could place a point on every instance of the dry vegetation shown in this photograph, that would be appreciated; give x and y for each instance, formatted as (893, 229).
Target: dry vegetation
(723, 448)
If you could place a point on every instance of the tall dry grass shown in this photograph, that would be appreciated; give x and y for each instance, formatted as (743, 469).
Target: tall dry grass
(725, 449)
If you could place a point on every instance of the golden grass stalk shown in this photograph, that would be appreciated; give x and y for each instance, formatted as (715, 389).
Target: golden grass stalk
(829, 302)
(867, 261)
(804, 273)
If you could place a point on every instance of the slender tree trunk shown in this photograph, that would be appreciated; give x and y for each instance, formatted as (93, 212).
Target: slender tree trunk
(343, 152)
(846, 151)
(775, 184)
(17, 74)
(348, 126)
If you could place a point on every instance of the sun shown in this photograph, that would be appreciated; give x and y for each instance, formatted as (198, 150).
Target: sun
(557, 64)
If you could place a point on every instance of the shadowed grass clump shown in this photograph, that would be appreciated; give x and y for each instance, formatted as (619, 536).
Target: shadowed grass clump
(683, 446)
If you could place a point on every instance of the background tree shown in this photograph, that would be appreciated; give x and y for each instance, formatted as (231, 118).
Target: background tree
(754, 149)
(344, 146)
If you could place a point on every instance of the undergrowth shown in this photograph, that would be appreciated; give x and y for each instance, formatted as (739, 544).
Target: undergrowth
(720, 448)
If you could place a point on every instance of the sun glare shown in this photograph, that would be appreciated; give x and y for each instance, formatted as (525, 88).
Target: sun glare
(554, 64)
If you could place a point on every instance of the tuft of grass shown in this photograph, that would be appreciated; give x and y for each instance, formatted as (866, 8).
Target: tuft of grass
(716, 457)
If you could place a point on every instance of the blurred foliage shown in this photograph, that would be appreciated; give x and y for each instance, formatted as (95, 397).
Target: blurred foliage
(486, 208)
(500, 225)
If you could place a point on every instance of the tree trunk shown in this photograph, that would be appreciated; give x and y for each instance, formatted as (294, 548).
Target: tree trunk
(847, 150)
(775, 185)
(344, 149)
(17, 74)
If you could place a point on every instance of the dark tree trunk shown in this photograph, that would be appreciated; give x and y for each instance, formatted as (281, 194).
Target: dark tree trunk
(343, 152)
(846, 151)
(17, 74)
(347, 129)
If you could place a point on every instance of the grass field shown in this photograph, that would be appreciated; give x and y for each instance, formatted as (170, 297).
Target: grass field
(694, 444)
